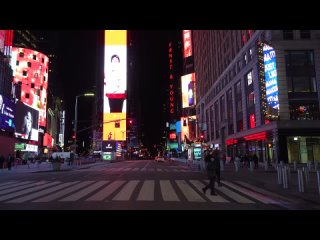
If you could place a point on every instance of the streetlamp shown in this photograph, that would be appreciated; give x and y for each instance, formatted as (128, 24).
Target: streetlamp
(76, 118)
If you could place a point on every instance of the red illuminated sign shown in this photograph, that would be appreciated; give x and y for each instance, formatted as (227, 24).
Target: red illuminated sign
(231, 141)
(252, 121)
(256, 136)
(171, 89)
(187, 44)
(172, 136)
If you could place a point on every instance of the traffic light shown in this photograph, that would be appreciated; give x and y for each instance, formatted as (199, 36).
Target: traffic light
(130, 121)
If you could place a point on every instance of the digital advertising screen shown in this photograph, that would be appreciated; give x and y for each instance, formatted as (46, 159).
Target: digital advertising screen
(187, 43)
(271, 78)
(115, 85)
(7, 114)
(2, 39)
(27, 122)
(31, 69)
(188, 90)
(109, 146)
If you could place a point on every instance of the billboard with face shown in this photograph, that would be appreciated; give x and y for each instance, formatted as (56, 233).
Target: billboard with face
(7, 113)
(27, 122)
(115, 85)
(188, 90)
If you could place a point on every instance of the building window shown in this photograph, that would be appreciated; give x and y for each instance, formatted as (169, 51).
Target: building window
(287, 34)
(250, 53)
(222, 109)
(21, 54)
(300, 71)
(305, 34)
(211, 123)
(17, 63)
(32, 85)
(304, 110)
(44, 78)
(249, 78)
(34, 57)
(216, 119)
(238, 97)
(29, 64)
(230, 112)
(42, 60)
(240, 125)
(35, 75)
(251, 100)
(24, 73)
(27, 95)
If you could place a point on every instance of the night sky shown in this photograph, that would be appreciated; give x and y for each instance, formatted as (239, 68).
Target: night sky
(77, 68)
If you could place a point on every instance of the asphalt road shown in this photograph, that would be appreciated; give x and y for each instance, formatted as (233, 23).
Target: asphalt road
(129, 185)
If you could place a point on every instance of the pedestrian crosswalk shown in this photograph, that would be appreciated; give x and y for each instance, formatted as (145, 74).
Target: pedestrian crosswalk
(134, 190)
(144, 169)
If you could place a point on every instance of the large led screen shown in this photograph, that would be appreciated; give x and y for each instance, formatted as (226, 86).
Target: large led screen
(30, 68)
(7, 113)
(270, 70)
(115, 85)
(27, 122)
(188, 85)
(187, 43)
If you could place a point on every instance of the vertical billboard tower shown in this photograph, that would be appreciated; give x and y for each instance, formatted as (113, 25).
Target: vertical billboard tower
(115, 85)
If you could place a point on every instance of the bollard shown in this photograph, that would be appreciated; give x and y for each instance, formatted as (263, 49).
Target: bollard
(300, 180)
(289, 174)
(221, 165)
(316, 166)
(284, 178)
(309, 164)
(279, 175)
(251, 166)
(281, 163)
(318, 178)
(266, 165)
(295, 166)
(236, 164)
(306, 174)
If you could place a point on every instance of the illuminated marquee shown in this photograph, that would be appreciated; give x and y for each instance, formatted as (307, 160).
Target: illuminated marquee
(187, 44)
(115, 85)
(171, 79)
(270, 70)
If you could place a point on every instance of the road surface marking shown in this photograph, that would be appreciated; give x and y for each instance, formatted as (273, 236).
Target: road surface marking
(29, 190)
(41, 193)
(21, 187)
(143, 169)
(15, 184)
(249, 193)
(126, 169)
(167, 191)
(107, 191)
(189, 192)
(7, 183)
(159, 170)
(126, 191)
(147, 191)
(136, 169)
(63, 192)
(76, 196)
(235, 196)
(199, 185)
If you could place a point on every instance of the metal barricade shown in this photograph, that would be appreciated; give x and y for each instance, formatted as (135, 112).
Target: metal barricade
(318, 179)
(279, 173)
(266, 165)
(301, 182)
(295, 166)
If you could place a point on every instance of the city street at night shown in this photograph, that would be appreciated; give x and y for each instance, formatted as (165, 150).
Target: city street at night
(141, 185)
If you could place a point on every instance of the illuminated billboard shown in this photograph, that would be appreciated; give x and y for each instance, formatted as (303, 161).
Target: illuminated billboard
(2, 39)
(7, 113)
(27, 122)
(270, 70)
(188, 128)
(115, 85)
(187, 43)
(30, 68)
(188, 85)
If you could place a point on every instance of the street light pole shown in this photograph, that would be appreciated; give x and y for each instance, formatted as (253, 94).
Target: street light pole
(76, 118)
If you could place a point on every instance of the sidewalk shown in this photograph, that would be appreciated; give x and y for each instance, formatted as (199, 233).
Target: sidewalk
(268, 180)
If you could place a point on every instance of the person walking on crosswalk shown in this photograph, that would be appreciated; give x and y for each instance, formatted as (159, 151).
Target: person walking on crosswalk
(211, 172)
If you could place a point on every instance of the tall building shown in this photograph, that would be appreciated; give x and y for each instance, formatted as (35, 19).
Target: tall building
(7, 106)
(258, 92)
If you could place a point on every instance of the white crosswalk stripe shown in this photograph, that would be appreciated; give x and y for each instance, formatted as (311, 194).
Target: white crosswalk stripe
(189, 193)
(41, 193)
(6, 183)
(10, 185)
(84, 192)
(199, 185)
(121, 190)
(14, 189)
(107, 191)
(63, 192)
(167, 191)
(126, 191)
(147, 191)
(29, 190)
